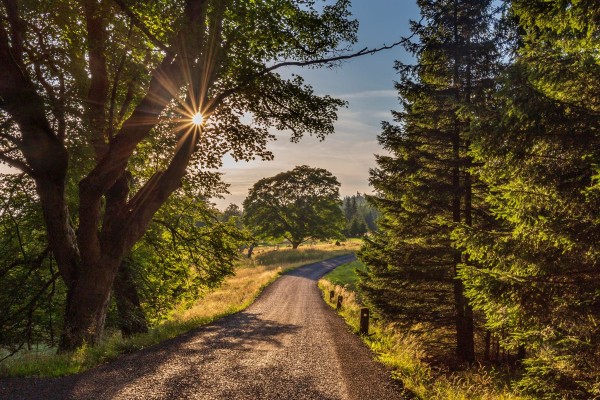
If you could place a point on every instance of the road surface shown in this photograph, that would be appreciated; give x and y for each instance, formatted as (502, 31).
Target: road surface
(288, 345)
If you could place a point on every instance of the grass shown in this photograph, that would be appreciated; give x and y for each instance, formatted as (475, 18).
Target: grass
(404, 355)
(235, 294)
(345, 275)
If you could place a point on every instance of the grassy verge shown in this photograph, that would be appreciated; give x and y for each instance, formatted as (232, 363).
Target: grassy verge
(235, 294)
(345, 275)
(403, 354)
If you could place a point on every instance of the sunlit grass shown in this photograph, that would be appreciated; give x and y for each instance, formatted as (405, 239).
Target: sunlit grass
(235, 294)
(404, 354)
(345, 275)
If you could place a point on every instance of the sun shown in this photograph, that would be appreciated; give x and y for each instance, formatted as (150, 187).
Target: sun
(197, 119)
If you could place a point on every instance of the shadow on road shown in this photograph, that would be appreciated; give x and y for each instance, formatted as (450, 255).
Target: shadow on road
(209, 362)
(240, 332)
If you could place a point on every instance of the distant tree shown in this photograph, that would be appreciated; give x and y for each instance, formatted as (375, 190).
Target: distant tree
(297, 205)
(360, 215)
(232, 210)
(358, 227)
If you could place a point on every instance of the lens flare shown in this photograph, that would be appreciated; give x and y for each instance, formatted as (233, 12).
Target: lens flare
(197, 119)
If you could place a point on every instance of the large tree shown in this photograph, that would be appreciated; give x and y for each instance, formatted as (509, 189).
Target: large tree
(300, 204)
(97, 100)
(424, 187)
(536, 275)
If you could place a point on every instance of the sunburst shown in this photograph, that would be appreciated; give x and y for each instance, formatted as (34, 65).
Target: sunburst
(197, 119)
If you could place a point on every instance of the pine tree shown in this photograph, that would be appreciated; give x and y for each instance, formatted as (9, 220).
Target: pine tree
(360, 216)
(425, 189)
(535, 276)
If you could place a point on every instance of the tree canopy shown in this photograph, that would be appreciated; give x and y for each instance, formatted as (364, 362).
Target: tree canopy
(298, 205)
(489, 197)
(97, 100)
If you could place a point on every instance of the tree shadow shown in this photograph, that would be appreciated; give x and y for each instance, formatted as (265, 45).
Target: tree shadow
(175, 368)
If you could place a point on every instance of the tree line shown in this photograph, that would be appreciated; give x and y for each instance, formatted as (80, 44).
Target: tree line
(489, 196)
(361, 216)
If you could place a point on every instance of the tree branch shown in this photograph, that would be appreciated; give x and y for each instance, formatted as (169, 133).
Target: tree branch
(99, 86)
(141, 26)
(320, 61)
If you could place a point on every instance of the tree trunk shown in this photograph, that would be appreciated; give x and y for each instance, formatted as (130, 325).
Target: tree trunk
(295, 245)
(468, 310)
(521, 354)
(87, 303)
(251, 249)
(132, 319)
(488, 345)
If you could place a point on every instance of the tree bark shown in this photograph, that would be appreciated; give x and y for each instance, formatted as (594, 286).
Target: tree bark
(132, 319)
(87, 303)
(488, 345)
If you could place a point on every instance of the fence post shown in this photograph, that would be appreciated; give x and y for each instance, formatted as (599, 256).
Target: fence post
(339, 302)
(331, 295)
(364, 321)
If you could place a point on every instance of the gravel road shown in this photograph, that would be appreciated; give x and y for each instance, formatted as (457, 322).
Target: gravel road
(288, 345)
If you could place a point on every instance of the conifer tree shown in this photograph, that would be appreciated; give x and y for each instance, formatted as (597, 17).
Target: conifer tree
(424, 189)
(536, 276)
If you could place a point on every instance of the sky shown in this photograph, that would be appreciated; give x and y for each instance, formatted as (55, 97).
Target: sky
(367, 83)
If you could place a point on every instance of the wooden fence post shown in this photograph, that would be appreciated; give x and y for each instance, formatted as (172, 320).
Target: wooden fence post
(339, 302)
(364, 321)
(331, 295)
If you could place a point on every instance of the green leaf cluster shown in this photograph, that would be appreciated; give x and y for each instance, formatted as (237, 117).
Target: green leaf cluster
(298, 205)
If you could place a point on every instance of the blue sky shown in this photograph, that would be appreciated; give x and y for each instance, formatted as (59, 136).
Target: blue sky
(366, 83)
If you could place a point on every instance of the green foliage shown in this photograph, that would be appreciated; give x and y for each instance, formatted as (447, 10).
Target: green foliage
(185, 253)
(31, 293)
(297, 205)
(535, 275)
(360, 216)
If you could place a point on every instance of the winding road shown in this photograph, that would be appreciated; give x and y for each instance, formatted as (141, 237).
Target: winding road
(287, 345)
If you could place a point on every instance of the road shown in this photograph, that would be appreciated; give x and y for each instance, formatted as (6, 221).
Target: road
(288, 345)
